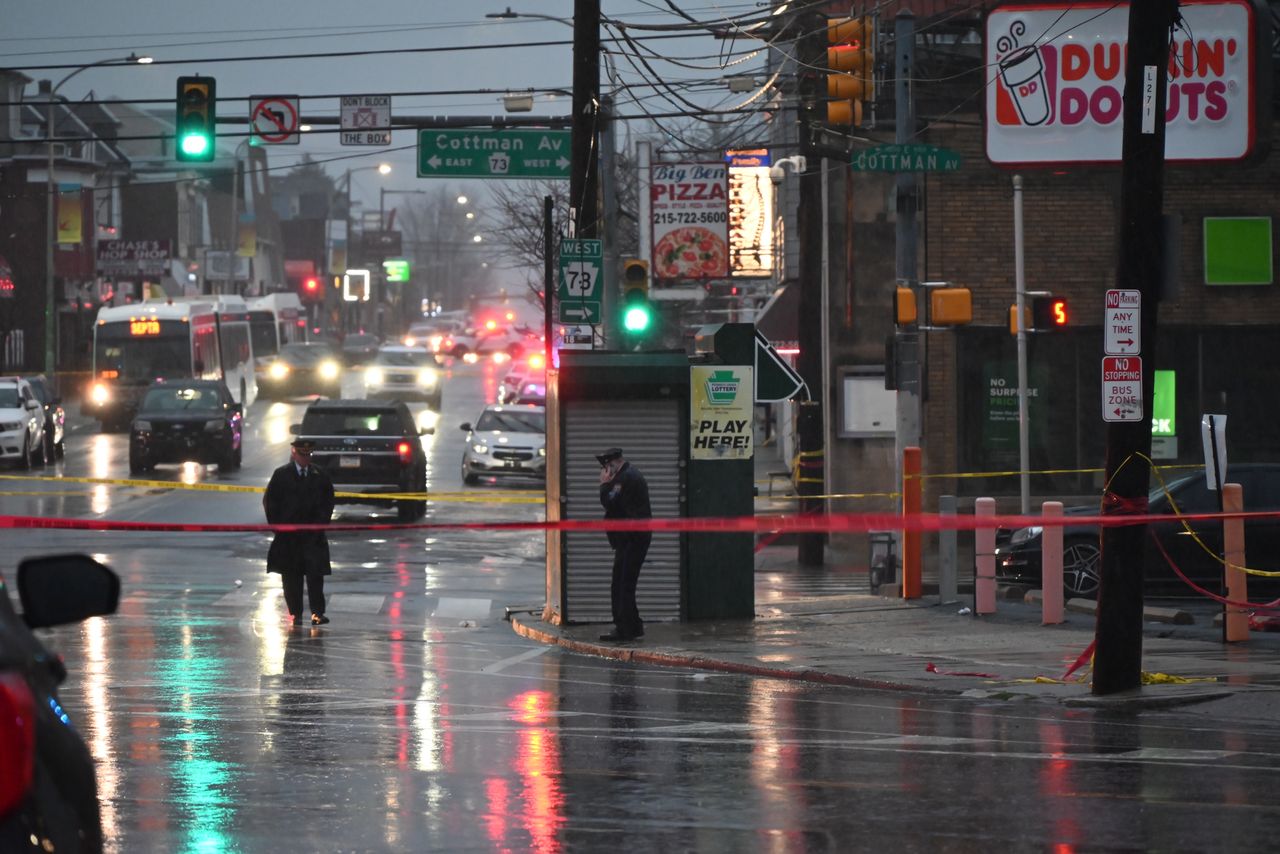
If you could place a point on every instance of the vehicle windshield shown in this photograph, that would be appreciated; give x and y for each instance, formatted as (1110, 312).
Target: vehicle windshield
(513, 421)
(39, 389)
(304, 354)
(262, 331)
(363, 422)
(181, 399)
(143, 358)
(405, 358)
(9, 397)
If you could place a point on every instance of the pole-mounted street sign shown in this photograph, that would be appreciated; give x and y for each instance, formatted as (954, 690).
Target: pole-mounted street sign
(1121, 388)
(366, 120)
(579, 291)
(1122, 326)
(905, 157)
(480, 153)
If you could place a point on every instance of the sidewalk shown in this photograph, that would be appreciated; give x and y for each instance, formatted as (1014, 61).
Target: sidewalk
(823, 625)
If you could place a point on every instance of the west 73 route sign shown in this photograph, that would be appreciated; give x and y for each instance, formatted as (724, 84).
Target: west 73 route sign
(579, 291)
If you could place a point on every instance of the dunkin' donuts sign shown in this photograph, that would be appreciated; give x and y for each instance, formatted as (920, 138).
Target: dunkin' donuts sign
(1055, 82)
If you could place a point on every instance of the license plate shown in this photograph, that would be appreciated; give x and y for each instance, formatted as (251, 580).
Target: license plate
(349, 462)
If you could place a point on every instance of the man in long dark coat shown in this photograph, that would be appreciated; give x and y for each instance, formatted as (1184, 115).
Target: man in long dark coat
(300, 493)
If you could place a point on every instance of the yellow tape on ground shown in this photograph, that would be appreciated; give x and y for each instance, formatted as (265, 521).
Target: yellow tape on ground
(527, 496)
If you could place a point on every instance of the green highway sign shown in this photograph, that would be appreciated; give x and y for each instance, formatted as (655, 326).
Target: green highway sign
(579, 290)
(480, 153)
(905, 158)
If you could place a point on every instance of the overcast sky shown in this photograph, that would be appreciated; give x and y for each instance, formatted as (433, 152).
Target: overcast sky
(209, 34)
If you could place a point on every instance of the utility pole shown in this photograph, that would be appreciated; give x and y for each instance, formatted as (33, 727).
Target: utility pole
(1118, 632)
(906, 350)
(584, 179)
(811, 49)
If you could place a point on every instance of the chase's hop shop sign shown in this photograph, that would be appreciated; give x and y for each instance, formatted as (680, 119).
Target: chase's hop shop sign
(1056, 76)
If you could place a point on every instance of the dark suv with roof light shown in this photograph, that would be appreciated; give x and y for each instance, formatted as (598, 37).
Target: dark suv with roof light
(370, 447)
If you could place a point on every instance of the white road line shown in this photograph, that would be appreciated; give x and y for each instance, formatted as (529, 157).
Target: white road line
(499, 666)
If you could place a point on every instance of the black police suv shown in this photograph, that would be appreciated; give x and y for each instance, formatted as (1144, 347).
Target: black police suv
(181, 420)
(370, 447)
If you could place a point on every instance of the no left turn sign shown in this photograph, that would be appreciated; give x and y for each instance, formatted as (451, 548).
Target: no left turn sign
(274, 119)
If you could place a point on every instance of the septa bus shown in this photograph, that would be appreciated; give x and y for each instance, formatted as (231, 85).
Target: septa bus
(275, 320)
(199, 337)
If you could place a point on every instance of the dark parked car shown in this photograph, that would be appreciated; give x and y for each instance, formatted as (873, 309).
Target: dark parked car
(55, 418)
(370, 447)
(303, 369)
(48, 791)
(1018, 553)
(359, 347)
(182, 420)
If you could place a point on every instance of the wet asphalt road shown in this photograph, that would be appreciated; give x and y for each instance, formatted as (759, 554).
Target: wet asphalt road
(417, 721)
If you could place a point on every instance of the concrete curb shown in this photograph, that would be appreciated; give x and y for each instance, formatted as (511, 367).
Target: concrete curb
(667, 659)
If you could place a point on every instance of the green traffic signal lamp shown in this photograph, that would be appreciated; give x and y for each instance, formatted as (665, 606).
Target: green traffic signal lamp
(637, 318)
(196, 119)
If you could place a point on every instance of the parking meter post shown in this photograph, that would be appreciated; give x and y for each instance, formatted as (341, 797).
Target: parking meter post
(947, 551)
(984, 548)
(1051, 564)
(1235, 621)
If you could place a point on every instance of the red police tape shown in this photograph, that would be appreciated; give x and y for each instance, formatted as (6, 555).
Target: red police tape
(804, 523)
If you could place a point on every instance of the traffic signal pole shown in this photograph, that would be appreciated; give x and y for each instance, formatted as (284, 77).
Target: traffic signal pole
(812, 50)
(1118, 632)
(907, 351)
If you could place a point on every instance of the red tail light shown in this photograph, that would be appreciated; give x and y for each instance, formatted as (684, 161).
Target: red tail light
(405, 450)
(17, 740)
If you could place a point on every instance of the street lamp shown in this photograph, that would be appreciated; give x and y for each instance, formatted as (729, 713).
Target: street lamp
(51, 203)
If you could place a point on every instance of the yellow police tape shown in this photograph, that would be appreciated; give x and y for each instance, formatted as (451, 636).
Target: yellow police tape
(526, 496)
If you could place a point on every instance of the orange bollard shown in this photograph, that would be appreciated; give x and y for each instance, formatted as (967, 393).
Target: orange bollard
(1236, 626)
(911, 506)
(984, 548)
(1051, 564)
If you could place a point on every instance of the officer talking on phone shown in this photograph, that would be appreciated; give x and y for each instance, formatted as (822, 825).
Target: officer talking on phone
(624, 495)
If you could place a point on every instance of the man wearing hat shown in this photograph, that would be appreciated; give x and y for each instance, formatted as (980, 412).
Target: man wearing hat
(625, 495)
(300, 493)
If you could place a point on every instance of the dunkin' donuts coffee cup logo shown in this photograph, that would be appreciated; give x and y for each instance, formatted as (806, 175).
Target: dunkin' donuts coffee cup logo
(1059, 70)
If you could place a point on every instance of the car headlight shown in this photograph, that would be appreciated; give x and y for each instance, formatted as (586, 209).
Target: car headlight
(427, 377)
(542, 452)
(480, 448)
(142, 426)
(409, 340)
(1023, 534)
(329, 370)
(99, 394)
(278, 370)
(374, 376)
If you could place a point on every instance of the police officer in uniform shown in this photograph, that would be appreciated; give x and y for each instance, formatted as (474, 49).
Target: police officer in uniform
(624, 495)
(300, 493)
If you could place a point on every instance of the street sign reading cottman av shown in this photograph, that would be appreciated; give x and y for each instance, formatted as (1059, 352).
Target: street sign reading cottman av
(523, 153)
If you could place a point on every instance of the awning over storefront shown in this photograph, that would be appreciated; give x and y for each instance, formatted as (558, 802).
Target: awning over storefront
(779, 320)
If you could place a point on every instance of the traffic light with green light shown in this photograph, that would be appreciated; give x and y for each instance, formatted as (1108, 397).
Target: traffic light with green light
(197, 119)
(637, 313)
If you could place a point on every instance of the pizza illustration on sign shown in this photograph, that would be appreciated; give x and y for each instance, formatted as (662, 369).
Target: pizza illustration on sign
(691, 253)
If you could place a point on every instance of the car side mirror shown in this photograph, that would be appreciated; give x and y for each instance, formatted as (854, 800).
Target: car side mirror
(295, 429)
(65, 589)
(465, 425)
